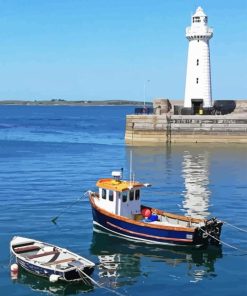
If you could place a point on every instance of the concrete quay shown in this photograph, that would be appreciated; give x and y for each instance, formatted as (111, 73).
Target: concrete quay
(168, 128)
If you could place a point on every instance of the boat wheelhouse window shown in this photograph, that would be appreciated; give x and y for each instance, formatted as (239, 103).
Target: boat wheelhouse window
(103, 193)
(131, 195)
(110, 195)
(137, 194)
(125, 196)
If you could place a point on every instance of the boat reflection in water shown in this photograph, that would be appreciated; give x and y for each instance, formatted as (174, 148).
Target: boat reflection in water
(196, 195)
(122, 262)
(40, 284)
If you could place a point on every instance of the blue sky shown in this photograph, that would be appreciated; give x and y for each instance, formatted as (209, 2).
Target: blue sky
(108, 49)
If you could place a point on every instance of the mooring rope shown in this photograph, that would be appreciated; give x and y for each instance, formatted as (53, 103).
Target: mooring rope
(54, 219)
(222, 242)
(241, 229)
(98, 285)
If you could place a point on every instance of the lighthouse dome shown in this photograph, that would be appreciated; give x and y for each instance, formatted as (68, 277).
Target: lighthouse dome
(199, 12)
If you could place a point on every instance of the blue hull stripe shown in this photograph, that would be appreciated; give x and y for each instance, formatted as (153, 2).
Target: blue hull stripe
(148, 235)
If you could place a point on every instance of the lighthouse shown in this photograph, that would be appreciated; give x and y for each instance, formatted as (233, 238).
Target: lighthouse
(198, 91)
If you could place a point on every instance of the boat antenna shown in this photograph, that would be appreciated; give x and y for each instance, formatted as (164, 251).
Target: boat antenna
(130, 165)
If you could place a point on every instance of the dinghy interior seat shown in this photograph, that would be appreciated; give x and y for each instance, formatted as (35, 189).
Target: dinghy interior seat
(59, 262)
(43, 254)
(27, 249)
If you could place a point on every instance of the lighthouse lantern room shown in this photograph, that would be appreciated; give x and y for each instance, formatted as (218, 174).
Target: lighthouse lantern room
(198, 92)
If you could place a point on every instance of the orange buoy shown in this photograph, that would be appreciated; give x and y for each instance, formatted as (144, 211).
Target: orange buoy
(14, 271)
(14, 267)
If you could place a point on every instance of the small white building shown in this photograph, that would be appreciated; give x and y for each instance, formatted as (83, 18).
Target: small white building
(198, 91)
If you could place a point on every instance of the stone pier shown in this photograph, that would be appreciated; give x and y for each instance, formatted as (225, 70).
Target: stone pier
(166, 128)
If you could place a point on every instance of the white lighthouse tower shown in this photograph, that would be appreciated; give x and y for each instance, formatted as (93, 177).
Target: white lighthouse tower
(198, 92)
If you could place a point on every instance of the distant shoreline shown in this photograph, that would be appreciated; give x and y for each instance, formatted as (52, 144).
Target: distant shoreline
(75, 103)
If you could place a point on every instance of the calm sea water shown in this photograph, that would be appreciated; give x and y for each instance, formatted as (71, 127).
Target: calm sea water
(49, 156)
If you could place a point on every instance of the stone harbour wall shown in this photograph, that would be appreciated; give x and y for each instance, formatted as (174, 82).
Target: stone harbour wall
(167, 128)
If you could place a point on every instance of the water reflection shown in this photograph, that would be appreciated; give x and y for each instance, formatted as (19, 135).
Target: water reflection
(166, 168)
(40, 284)
(122, 262)
(195, 170)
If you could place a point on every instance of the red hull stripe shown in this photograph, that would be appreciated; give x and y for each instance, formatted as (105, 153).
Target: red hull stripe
(148, 235)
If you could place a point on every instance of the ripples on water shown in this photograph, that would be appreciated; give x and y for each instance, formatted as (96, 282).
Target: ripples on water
(49, 156)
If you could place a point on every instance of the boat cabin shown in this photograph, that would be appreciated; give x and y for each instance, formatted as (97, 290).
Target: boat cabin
(119, 197)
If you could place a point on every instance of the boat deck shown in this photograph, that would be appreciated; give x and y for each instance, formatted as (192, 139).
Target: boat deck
(47, 255)
(167, 221)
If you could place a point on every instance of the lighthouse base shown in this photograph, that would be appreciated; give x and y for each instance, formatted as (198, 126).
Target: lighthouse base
(197, 106)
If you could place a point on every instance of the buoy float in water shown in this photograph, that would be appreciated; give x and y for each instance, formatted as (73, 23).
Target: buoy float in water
(14, 271)
(54, 278)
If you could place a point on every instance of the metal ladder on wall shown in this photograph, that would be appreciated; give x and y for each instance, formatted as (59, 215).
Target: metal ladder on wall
(168, 129)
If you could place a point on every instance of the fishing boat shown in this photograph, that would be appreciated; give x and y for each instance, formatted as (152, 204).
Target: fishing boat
(117, 208)
(50, 261)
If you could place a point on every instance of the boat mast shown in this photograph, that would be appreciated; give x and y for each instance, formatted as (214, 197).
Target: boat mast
(130, 166)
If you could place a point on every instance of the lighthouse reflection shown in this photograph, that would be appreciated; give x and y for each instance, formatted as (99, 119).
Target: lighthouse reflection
(195, 170)
(123, 262)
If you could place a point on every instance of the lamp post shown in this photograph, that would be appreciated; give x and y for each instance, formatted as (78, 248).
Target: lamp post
(145, 90)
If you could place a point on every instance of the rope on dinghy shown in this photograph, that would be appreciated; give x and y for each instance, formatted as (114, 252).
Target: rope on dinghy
(97, 284)
(222, 242)
(241, 229)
